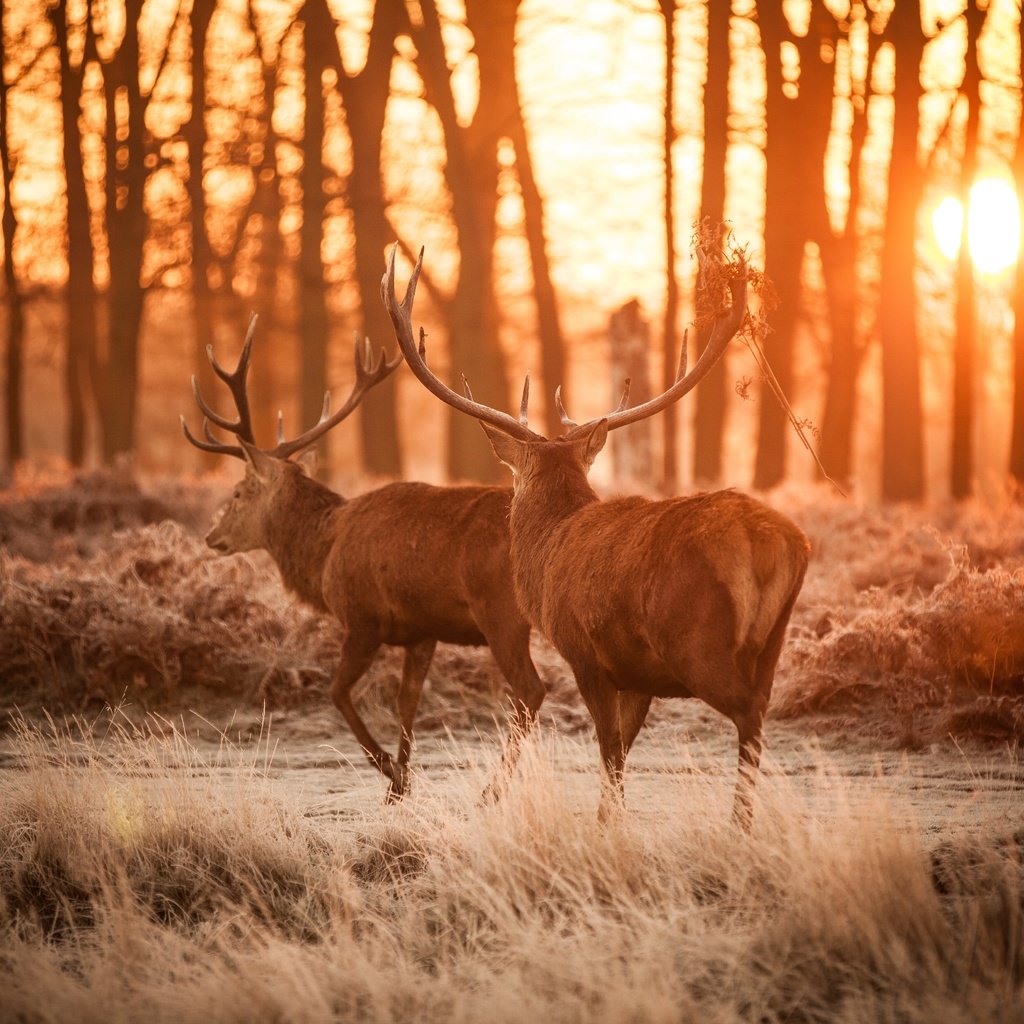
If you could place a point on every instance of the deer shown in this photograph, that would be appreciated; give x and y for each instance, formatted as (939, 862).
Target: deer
(407, 564)
(684, 597)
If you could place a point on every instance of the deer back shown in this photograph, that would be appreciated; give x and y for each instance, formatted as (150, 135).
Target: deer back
(651, 590)
(414, 561)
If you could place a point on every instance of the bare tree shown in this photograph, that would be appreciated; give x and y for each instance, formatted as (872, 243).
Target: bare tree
(794, 151)
(365, 96)
(471, 173)
(80, 298)
(965, 341)
(15, 310)
(496, 47)
(194, 132)
(902, 431)
(709, 417)
(127, 227)
(1017, 425)
(670, 331)
(266, 209)
(840, 261)
(320, 46)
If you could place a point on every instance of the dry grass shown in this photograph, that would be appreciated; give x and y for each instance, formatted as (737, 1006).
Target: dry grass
(142, 881)
(143, 877)
(910, 625)
(911, 619)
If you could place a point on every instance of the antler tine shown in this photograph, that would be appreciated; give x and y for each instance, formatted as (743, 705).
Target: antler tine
(211, 444)
(415, 355)
(236, 382)
(210, 414)
(243, 360)
(280, 426)
(525, 401)
(624, 400)
(567, 421)
(370, 368)
(725, 329)
(369, 371)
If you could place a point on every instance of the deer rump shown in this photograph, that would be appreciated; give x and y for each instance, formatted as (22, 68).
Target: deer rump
(441, 582)
(688, 597)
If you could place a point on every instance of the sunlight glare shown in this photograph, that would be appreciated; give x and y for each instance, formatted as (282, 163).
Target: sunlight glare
(993, 231)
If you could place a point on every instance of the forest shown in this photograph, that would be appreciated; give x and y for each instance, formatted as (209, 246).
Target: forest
(201, 162)
(324, 739)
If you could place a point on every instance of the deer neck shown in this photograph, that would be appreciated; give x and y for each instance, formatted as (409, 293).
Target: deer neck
(542, 507)
(300, 532)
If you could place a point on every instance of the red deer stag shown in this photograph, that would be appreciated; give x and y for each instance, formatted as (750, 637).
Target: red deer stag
(685, 597)
(407, 564)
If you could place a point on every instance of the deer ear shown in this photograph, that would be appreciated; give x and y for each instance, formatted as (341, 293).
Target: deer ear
(508, 449)
(307, 462)
(595, 441)
(263, 465)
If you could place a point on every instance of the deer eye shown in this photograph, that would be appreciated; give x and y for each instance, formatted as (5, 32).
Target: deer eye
(238, 493)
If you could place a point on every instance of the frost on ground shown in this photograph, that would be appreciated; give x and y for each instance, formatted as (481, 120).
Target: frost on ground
(142, 879)
(156, 868)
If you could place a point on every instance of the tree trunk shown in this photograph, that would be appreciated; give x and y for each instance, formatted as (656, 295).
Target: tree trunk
(80, 297)
(670, 329)
(709, 420)
(365, 97)
(787, 159)
(1017, 423)
(902, 431)
(839, 260)
(966, 319)
(194, 132)
(549, 328)
(313, 323)
(15, 313)
(471, 173)
(269, 374)
(126, 233)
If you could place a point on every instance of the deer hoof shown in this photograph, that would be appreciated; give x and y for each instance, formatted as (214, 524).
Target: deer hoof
(399, 783)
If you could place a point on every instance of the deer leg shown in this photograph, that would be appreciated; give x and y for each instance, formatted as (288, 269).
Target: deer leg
(633, 708)
(356, 658)
(511, 651)
(748, 728)
(602, 700)
(414, 671)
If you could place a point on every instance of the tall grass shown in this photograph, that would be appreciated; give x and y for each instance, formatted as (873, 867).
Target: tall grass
(141, 880)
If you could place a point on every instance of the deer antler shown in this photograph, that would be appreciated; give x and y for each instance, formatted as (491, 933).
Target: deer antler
(725, 328)
(415, 356)
(369, 371)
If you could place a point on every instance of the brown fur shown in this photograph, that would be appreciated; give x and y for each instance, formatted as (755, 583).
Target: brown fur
(686, 597)
(408, 564)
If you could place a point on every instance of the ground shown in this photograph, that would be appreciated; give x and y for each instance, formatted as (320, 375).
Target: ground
(188, 831)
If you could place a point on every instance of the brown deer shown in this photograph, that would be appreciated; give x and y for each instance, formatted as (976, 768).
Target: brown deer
(684, 597)
(407, 564)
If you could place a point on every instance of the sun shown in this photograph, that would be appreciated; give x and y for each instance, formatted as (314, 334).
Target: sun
(993, 231)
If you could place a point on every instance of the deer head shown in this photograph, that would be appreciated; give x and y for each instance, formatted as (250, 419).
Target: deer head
(241, 522)
(532, 456)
